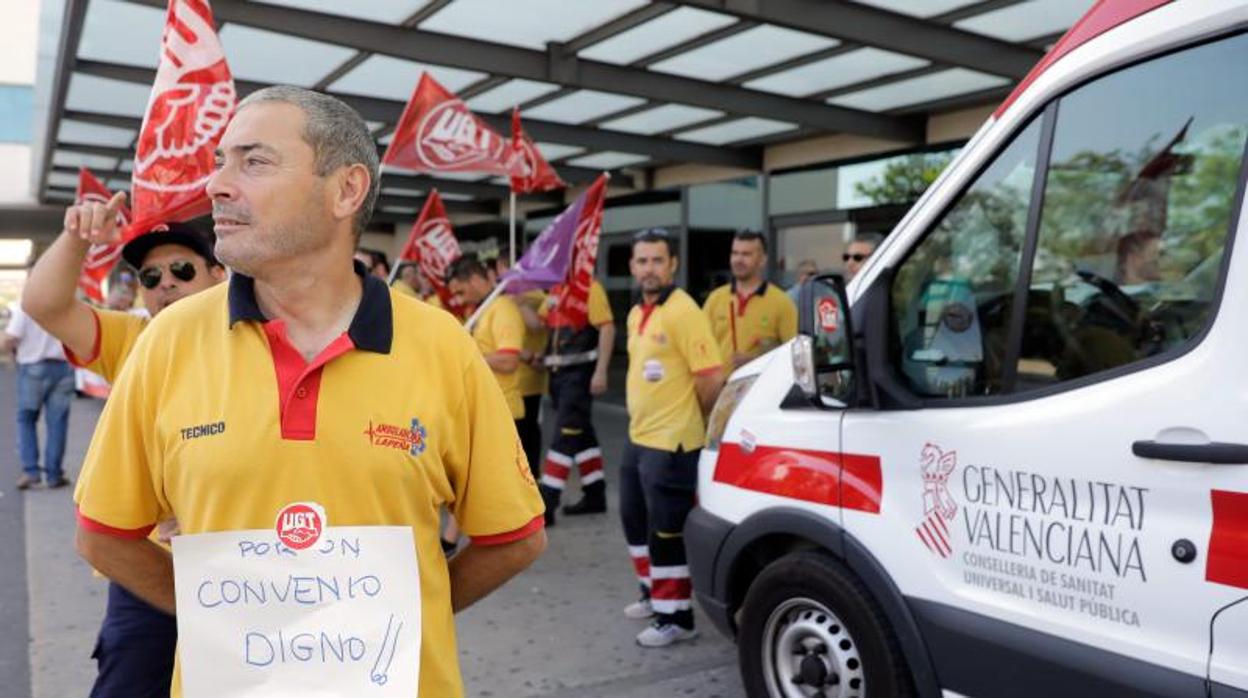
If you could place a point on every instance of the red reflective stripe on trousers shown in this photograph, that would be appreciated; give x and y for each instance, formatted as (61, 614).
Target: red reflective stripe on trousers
(556, 470)
(671, 589)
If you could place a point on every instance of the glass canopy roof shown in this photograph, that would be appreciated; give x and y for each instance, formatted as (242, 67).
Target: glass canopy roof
(601, 84)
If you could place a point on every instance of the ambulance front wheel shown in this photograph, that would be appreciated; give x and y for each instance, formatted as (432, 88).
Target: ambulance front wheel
(810, 628)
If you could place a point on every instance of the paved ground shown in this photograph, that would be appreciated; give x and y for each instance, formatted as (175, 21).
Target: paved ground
(555, 631)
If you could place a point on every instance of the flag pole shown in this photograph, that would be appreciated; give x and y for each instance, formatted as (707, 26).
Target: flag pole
(476, 314)
(512, 261)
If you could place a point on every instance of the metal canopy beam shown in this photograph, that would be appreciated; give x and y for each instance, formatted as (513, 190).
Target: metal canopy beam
(67, 53)
(873, 26)
(389, 111)
(42, 222)
(556, 65)
(480, 190)
(490, 208)
(423, 183)
(572, 174)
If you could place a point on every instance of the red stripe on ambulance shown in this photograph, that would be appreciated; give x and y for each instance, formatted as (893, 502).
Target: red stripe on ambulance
(1228, 541)
(850, 481)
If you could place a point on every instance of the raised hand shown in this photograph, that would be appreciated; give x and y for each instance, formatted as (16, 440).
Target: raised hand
(96, 222)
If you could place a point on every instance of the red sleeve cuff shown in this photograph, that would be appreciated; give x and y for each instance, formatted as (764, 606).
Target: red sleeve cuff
(508, 350)
(88, 524)
(79, 361)
(709, 370)
(537, 524)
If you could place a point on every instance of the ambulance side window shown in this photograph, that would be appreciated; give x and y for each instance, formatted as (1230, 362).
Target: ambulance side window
(1141, 173)
(953, 295)
(1138, 201)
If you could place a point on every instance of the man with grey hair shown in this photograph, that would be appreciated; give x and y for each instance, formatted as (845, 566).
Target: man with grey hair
(217, 419)
(806, 270)
(859, 251)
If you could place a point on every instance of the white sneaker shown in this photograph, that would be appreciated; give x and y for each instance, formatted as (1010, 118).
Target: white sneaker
(639, 610)
(664, 634)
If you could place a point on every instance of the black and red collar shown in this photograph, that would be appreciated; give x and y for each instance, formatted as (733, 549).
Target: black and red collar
(760, 291)
(639, 298)
(372, 328)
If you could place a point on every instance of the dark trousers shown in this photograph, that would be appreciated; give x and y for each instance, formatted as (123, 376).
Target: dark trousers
(574, 443)
(657, 490)
(530, 430)
(135, 648)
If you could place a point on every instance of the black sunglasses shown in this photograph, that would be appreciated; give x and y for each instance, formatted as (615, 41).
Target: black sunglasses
(856, 257)
(650, 234)
(150, 276)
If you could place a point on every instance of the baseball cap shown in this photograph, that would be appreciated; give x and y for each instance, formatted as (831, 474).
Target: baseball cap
(182, 234)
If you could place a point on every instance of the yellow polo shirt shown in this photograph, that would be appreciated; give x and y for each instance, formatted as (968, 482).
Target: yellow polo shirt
(401, 286)
(500, 329)
(212, 360)
(598, 307)
(753, 324)
(669, 343)
(115, 335)
(533, 381)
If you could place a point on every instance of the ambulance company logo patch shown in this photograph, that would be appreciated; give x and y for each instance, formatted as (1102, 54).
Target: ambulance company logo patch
(299, 525)
(939, 509)
(412, 439)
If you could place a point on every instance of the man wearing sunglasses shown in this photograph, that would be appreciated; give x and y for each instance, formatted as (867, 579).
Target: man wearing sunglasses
(858, 252)
(135, 648)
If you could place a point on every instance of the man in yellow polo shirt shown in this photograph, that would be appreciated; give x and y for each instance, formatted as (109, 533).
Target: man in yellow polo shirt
(283, 387)
(135, 648)
(674, 375)
(499, 331)
(750, 316)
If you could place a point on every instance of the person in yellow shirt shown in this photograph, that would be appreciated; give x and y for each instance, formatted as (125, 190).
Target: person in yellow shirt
(134, 651)
(577, 357)
(674, 375)
(407, 281)
(750, 316)
(530, 375)
(499, 331)
(217, 418)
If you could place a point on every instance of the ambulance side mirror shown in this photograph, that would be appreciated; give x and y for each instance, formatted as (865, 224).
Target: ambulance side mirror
(823, 352)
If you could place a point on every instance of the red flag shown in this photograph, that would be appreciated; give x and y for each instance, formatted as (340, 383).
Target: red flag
(571, 307)
(439, 133)
(532, 172)
(192, 100)
(432, 246)
(100, 258)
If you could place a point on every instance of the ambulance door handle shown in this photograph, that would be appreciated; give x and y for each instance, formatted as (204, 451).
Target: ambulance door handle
(1217, 453)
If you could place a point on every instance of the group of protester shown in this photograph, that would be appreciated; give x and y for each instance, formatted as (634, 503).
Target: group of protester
(294, 349)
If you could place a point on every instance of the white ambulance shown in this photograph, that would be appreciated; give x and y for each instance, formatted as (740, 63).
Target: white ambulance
(1011, 457)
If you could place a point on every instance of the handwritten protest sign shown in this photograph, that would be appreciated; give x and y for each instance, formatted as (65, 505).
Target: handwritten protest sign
(331, 611)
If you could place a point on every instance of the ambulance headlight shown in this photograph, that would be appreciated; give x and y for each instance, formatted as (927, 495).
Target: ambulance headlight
(727, 403)
(804, 364)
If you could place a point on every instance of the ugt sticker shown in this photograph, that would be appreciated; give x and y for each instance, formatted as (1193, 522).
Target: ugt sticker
(829, 314)
(299, 525)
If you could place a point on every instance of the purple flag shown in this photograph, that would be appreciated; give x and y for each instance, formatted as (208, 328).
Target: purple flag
(546, 261)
